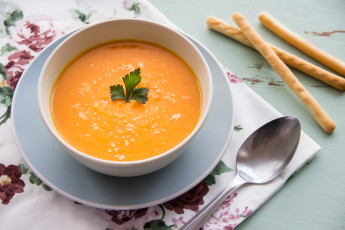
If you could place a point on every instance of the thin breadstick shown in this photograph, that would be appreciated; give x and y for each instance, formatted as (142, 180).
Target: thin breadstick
(228, 30)
(289, 59)
(302, 44)
(278, 65)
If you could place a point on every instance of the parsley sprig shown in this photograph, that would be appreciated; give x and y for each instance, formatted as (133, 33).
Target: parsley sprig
(130, 81)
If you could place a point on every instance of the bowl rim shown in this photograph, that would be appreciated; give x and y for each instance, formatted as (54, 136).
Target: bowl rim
(104, 162)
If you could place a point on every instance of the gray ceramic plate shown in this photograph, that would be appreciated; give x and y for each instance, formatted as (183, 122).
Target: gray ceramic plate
(55, 167)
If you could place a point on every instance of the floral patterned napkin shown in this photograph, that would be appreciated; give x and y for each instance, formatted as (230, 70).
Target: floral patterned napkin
(27, 27)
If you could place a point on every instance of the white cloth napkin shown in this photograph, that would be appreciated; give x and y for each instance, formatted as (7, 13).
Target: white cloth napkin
(25, 203)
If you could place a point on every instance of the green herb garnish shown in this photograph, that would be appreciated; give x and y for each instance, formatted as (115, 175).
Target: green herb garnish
(130, 81)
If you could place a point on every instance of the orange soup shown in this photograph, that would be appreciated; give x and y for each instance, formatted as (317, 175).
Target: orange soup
(92, 123)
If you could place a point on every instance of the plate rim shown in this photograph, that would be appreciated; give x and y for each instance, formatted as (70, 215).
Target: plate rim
(123, 207)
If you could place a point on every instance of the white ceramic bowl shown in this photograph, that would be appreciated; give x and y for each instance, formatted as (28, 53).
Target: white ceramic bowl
(119, 29)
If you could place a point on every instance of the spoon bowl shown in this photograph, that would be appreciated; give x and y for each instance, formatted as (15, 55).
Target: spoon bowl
(267, 152)
(261, 158)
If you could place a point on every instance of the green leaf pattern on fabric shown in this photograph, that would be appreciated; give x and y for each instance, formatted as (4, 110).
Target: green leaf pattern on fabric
(33, 179)
(135, 7)
(10, 13)
(7, 48)
(157, 225)
(6, 96)
(238, 128)
(84, 18)
(3, 72)
(218, 170)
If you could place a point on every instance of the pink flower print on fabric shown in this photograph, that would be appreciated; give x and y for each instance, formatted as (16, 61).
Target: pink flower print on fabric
(129, 219)
(124, 4)
(227, 218)
(232, 77)
(178, 221)
(10, 182)
(29, 36)
(191, 199)
(15, 67)
(35, 32)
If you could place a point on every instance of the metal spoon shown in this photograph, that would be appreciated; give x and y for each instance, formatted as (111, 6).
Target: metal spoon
(261, 158)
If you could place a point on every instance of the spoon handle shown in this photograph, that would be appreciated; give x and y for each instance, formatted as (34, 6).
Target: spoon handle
(202, 216)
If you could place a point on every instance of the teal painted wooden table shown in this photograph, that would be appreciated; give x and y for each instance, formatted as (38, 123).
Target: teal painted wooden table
(315, 197)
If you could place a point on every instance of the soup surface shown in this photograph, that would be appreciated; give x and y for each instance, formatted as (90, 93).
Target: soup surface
(91, 122)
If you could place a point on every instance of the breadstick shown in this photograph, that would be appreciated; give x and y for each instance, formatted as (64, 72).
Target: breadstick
(278, 65)
(228, 30)
(310, 69)
(285, 33)
(289, 59)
